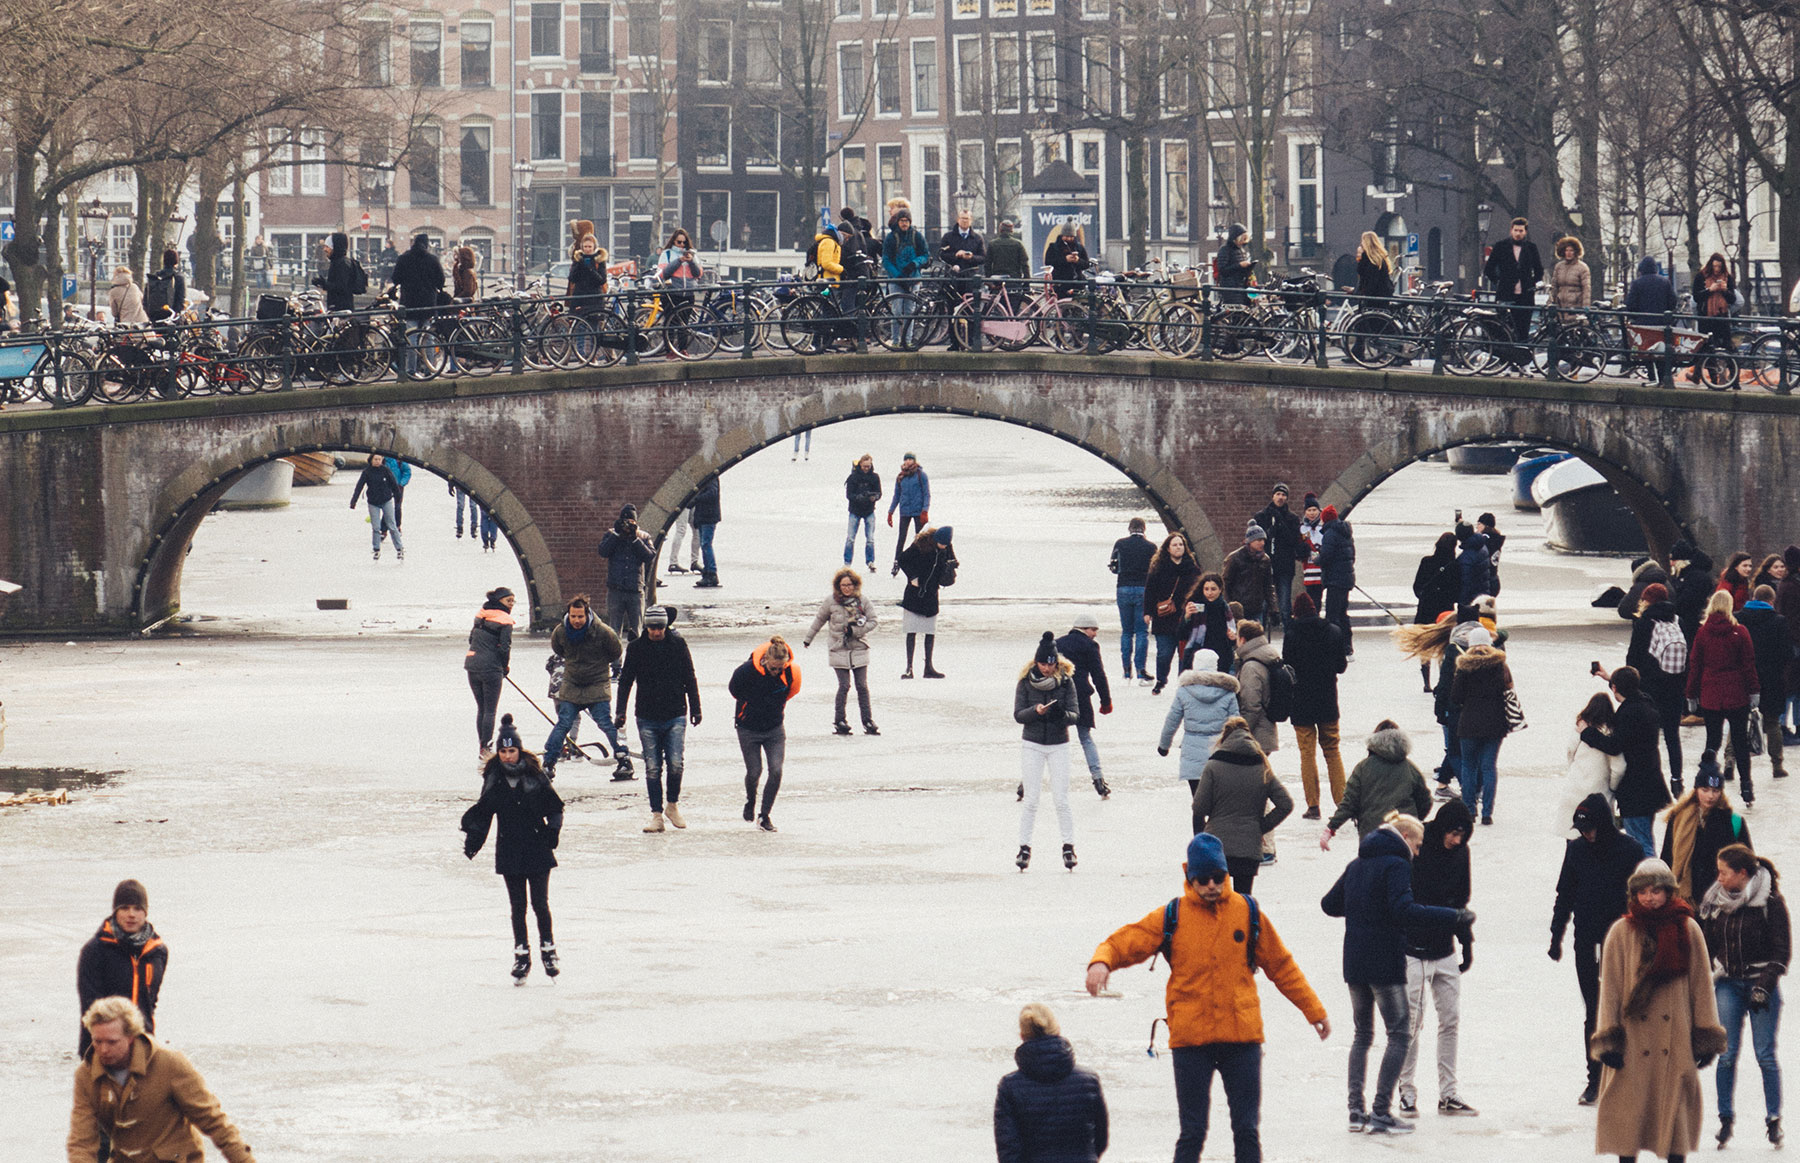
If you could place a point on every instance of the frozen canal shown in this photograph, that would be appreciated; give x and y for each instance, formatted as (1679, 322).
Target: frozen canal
(288, 784)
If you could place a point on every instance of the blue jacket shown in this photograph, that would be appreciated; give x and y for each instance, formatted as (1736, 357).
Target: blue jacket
(1374, 896)
(1049, 1110)
(1337, 556)
(903, 256)
(1204, 699)
(1476, 568)
(912, 494)
(401, 471)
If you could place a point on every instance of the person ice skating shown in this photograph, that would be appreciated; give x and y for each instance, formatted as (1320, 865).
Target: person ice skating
(849, 617)
(1750, 939)
(1697, 827)
(1440, 876)
(683, 526)
(1590, 889)
(1479, 692)
(1259, 699)
(1374, 896)
(1659, 653)
(1443, 642)
(1218, 940)
(1044, 705)
(1337, 573)
(490, 531)
(929, 564)
(1472, 566)
(807, 434)
(1081, 648)
(1173, 578)
(862, 488)
(1130, 563)
(516, 792)
(1249, 576)
(1049, 1108)
(762, 686)
(1774, 651)
(628, 552)
(402, 473)
(1722, 676)
(1591, 769)
(489, 661)
(1382, 784)
(1204, 699)
(1657, 1025)
(912, 497)
(588, 650)
(707, 515)
(1240, 801)
(1489, 529)
(379, 482)
(124, 958)
(1315, 650)
(1436, 585)
(1641, 791)
(465, 500)
(141, 1099)
(668, 700)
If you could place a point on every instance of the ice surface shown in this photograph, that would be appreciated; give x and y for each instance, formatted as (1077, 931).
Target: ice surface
(291, 781)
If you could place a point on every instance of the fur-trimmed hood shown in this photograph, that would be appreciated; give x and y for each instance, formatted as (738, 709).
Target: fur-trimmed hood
(1064, 668)
(1391, 745)
(1480, 658)
(1212, 678)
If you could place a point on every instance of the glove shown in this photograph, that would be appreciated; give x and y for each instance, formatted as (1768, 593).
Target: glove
(924, 516)
(806, 643)
(1468, 959)
(1162, 750)
(1106, 708)
(890, 518)
(1556, 948)
(1759, 1000)
(1465, 917)
(694, 719)
(1614, 1059)
(1703, 1061)
(619, 720)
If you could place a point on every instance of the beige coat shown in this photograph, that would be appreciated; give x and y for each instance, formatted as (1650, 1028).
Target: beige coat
(1653, 1104)
(1570, 283)
(1253, 690)
(157, 1115)
(126, 301)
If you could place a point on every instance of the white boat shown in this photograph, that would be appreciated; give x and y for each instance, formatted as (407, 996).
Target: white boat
(1582, 513)
(267, 486)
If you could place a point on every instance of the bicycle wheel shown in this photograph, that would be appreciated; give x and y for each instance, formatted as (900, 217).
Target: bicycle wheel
(1176, 331)
(1291, 338)
(1234, 333)
(563, 341)
(894, 324)
(1065, 326)
(124, 375)
(1717, 370)
(694, 331)
(1577, 355)
(70, 382)
(480, 347)
(1776, 365)
(1474, 347)
(806, 325)
(1375, 339)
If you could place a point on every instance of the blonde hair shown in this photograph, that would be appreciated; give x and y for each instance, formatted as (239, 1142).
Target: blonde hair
(114, 1009)
(1407, 826)
(778, 650)
(1721, 603)
(1036, 1021)
(1375, 252)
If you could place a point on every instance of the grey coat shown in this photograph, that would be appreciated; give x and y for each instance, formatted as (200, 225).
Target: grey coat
(1253, 689)
(850, 624)
(1239, 799)
(1203, 701)
(1051, 727)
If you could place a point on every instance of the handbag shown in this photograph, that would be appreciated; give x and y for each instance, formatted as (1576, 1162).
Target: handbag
(1515, 712)
(1165, 608)
(1756, 731)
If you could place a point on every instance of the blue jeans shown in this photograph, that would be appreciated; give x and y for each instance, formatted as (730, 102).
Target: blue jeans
(462, 498)
(1134, 636)
(379, 515)
(1086, 735)
(868, 530)
(662, 741)
(1396, 1015)
(1452, 765)
(1480, 773)
(1239, 1066)
(566, 716)
(797, 436)
(708, 565)
(1284, 595)
(1643, 830)
(903, 307)
(1165, 654)
(1734, 1005)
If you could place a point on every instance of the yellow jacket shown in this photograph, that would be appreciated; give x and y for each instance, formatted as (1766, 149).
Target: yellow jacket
(831, 255)
(1211, 995)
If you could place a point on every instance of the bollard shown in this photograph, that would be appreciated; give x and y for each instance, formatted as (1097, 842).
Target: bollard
(857, 300)
(1206, 324)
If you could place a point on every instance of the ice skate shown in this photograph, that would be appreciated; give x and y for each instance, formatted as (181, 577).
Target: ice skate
(656, 822)
(765, 823)
(841, 727)
(672, 813)
(1773, 1125)
(521, 963)
(1023, 859)
(1724, 1135)
(932, 672)
(547, 954)
(869, 727)
(623, 771)
(1069, 857)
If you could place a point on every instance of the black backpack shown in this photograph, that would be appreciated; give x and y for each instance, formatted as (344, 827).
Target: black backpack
(1281, 691)
(359, 279)
(810, 270)
(1172, 917)
(159, 295)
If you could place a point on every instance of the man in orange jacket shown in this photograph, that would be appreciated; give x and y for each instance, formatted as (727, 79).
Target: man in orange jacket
(1215, 1019)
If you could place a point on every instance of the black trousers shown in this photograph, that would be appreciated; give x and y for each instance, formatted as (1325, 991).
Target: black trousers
(539, 885)
(1587, 976)
(1519, 317)
(487, 702)
(1739, 721)
(1239, 1067)
(1337, 611)
(900, 542)
(1666, 693)
(1243, 872)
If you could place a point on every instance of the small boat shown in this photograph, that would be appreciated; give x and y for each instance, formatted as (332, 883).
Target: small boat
(1582, 513)
(312, 468)
(1526, 471)
(1489, 459)
(267, 486)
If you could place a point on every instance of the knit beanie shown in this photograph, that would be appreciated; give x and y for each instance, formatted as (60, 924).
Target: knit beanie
(1330, 514)
(1205, 855)
(508, 735)
(1206, 660)
(1254, 533)
(1311, 502)
(942, 535)
(130, 894)
(1046, 649)
(1651, 874)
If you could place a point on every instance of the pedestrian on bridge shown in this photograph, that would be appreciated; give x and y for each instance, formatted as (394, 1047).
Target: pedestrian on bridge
(1514, 270)
(420, 277)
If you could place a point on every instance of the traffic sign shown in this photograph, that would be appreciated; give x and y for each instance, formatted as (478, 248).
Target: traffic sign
(365, 221)
(7, 230)
(1412, 246)
(68, 286)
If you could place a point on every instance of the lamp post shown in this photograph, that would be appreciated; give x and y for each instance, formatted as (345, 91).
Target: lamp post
(1727, 219)
(521, 173)
(93, 239)
(1622, 213)
(1484, 218)
(1668, 220)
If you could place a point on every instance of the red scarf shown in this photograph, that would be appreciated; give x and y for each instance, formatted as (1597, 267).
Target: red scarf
(1667, 928)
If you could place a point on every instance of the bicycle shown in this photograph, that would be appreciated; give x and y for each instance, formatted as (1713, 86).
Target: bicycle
(42, 370)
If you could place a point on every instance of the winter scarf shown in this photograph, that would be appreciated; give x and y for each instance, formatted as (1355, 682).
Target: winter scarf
(1044, 682)
(576, 633)
(1667, 929)
(1721, 901)
(133, 942)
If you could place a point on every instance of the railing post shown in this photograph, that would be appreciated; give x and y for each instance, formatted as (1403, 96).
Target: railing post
(1321, 354)
(1668, 351)
(860, 316)
(1093, 319)
(56, 373)
(631, 328)
(1206, 324)
(516, 322)
(975, 326)
(1437, 350)
(743, 298)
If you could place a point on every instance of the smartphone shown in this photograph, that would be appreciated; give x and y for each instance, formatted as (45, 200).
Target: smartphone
(1459, 516)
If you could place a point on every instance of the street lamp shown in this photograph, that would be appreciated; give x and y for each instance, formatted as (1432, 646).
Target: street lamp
(1576, 217)
(1484, 218)
(179, 222)
(521, 173)
(1218, 209)
(1668, 220)
(93, 238)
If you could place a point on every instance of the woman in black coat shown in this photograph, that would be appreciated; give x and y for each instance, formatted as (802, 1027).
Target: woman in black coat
(1066, 258)
(339, 283)
(1436, 585)
(1049, 1110)
(929, 564)
(515, 791)
(1173, 578)
(1209, 625)
(1715, 294)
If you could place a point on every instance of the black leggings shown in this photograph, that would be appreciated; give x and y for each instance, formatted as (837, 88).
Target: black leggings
(1670, 706)
(539, 883)
(917, 526)
(487, 701)
(861, 674)
(1739, 719)
(911, 641)
(1243, 872)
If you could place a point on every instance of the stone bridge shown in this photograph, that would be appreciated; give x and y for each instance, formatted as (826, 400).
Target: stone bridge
(98, 505)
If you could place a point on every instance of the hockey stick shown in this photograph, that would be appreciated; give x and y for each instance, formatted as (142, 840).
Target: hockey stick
(605, 751)
(1379, 606)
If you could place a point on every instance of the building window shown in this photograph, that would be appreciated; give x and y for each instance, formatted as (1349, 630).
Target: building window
(712, 136)
(1009, 174)
(427, 54)
(925, 76)
(715, 52)
(371, 179)
(596, 135)
(931, 189)
(644, 28)
(1006, 74)
(971, 175)
(849, 7)
(312, 161)
(850, 79)
(714, 218)
(546, 126)
(856, 177)
(1306, 198)
(474, 166)
(1097, 73)
(422, 166)
(1043, 73)
(887, 173)
(922, 7)
(762, 44)
(761, 134)
(280, 178)
(596, 38)
(1175, 189)
(969, 89)
(1221, 72)
(759, 216)
(546, 30)
(373, 63)
(887, 7)
(887, 77)
(646, 128)
(477, 54)
(1090, 157)
(1300, 77)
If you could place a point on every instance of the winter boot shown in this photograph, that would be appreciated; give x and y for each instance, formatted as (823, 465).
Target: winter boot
(1019, 796)
(656, 822)
(842, 727)
(908, 673)
(1773, 1125)
(1069, 857)
(749, 811)
(521, 963)
(673, 814)
(677, 567)
(547, 954)
(1724, 1135)
(765, 823)
(1311, 813)
(1591, 1095)
(1023, 859)
(869, 727)
(708, 581)
(1380, 1124)
(1101, 788)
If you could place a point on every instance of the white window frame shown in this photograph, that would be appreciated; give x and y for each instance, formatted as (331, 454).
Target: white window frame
(716, 167)
(962, 105)
(934, 90)
(562, 30)
(1020, 70)
(899, 109)
(1170, 229)
(279, 180)
(730, 52)
(845, 198)
(312, 162)
(846, 112)
(1032, 41)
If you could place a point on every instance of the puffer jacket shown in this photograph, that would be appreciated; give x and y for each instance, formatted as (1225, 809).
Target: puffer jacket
(530, 820)
(1203, 700)
(1386, 780)
(850, 623)
(1049, 1110)
(490, 642)
(1750, 938)
(159, 1113)
(1769, 641)
(1211, 995)
(862, 490)
(1051, 727)
(1255, 658)
(1571, 284)
(1479, 689)
(926, 568)
(1474, 568)
(1635, 738)
(1374, 896)
(1239, 799)
(1590, 771)
(1337, 556)
(1315, 649)
(762, 695)
(1722, 666)
(113, 965)
(587, 661)
(1591, 886)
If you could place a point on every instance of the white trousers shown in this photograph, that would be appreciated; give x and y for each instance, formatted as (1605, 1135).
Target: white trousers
(1443, 981)
(1036, 759)
(683, 523)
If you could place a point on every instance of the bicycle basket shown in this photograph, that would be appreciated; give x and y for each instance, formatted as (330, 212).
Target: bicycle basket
(1185, 285)
(271, 307)
(1299, 294)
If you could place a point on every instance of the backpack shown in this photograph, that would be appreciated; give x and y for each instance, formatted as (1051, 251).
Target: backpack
(1172, 917)
(159, 294)
(810, 271)
(359, 279)
(1281, 691)
(1217, 271)
(1669, 648)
